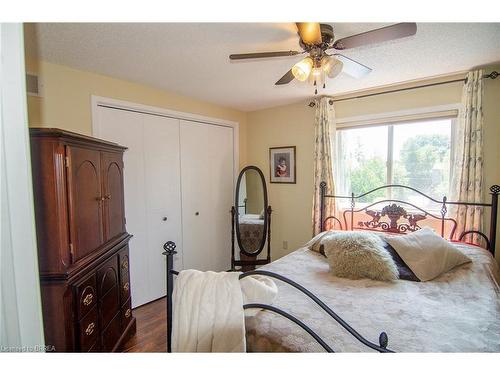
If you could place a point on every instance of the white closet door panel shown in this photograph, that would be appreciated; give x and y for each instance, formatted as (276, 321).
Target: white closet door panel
(162, 196)
(126, 128)
(207, 189)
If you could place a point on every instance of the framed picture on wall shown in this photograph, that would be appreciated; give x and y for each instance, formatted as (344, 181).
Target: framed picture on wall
(282, 165)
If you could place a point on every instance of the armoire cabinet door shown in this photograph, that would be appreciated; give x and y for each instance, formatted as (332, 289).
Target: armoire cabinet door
(108, 291)
(85, 200)
(112, 186)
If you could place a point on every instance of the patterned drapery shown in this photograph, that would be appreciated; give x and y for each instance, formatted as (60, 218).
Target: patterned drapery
(324, 134)
(467, 167)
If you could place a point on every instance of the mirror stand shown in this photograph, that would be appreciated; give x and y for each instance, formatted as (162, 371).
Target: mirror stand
(248, 261)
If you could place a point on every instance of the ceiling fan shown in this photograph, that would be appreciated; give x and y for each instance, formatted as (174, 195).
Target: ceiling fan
(318, 42)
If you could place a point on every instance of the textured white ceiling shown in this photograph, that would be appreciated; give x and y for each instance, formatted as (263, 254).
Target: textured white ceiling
(192, 59)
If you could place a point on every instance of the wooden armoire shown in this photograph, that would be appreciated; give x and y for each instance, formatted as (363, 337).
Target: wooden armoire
(82, 241)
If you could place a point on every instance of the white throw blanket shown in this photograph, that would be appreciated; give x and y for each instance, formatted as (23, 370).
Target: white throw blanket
(208, 313)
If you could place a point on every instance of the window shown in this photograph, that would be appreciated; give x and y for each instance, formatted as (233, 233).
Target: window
(415, 154)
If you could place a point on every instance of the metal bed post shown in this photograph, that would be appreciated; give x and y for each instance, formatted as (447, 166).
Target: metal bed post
(233, 213)
(269, 211)
(494, 190)
(169, 248)
(353, 203)
(322, 192)
(444, 210)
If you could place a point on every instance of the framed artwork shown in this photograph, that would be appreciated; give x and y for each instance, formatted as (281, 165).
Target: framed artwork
(282, 165)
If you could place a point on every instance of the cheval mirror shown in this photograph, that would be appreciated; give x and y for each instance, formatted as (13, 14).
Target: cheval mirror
(251, 221)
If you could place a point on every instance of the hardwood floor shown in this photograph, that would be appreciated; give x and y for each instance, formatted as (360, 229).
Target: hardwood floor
(151, 335)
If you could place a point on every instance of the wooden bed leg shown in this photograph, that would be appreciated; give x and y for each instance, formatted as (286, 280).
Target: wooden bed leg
(169, 252)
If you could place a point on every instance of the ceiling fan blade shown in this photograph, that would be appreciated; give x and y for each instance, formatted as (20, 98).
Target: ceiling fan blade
(258, 55)
(352, 67)
(399, 30)
(310, 32)
(287, 78)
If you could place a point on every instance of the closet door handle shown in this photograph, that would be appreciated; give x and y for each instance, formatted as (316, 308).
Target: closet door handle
(197, 213)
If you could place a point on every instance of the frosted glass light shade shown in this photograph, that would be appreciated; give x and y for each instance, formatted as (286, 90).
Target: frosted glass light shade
(302, 69)
(331, 66)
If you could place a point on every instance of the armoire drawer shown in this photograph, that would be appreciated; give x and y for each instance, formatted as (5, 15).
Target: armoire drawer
(111, 334)
(124, 275)
(86, 296)
(126, 313)
(88, 330)
(125, 291)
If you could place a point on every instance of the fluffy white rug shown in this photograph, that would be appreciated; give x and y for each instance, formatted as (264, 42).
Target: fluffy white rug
(359, 255)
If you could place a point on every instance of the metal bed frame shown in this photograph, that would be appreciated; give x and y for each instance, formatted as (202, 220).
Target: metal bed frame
(393, 211)
(169, 252)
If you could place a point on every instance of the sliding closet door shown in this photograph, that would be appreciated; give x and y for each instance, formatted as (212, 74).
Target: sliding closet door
(152, 193)
(207, 195)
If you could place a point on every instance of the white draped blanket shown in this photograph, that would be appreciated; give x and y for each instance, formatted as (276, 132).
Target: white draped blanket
(208, 313)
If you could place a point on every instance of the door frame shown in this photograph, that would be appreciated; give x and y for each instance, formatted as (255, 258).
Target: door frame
(21, 320)
(101, 101)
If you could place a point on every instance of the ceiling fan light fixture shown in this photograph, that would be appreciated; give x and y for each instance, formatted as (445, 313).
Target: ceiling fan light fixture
(302, 69)
(317, 76)
(331, 66)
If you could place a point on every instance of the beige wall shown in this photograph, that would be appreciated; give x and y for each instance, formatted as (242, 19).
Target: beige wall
(294, 125)
(66, 95)
(290, 125)
(65, 103)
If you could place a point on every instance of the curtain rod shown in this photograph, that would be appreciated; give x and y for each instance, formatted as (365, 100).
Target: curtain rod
(491, 75)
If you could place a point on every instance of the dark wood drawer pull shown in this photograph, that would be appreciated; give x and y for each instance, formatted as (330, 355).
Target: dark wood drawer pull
(88, 299)
(90, 329)
(128, 313)
(126, 287)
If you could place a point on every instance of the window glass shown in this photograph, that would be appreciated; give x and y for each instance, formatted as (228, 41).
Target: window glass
(413, 154)
(362, 161)
(421, 159)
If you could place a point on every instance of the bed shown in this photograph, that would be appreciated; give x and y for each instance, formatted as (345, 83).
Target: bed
(457, 312)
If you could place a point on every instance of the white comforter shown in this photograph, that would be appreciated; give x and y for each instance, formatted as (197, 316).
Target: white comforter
(457, 312)
(208, 313)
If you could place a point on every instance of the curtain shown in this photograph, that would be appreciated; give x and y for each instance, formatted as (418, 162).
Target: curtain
(467, 170)
(324, 134)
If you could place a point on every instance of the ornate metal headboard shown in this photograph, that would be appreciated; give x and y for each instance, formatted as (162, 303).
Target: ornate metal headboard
(398, 216)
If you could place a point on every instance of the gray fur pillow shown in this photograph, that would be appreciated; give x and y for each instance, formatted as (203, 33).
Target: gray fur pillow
(359, 255)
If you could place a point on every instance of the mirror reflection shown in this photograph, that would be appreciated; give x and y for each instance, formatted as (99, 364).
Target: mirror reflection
(251, 211)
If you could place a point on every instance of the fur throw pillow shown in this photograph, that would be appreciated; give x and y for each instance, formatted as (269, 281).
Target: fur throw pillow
(359, 255)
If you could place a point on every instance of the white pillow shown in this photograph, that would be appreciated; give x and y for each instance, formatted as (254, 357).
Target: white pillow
(427, 254)
(358, 255)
